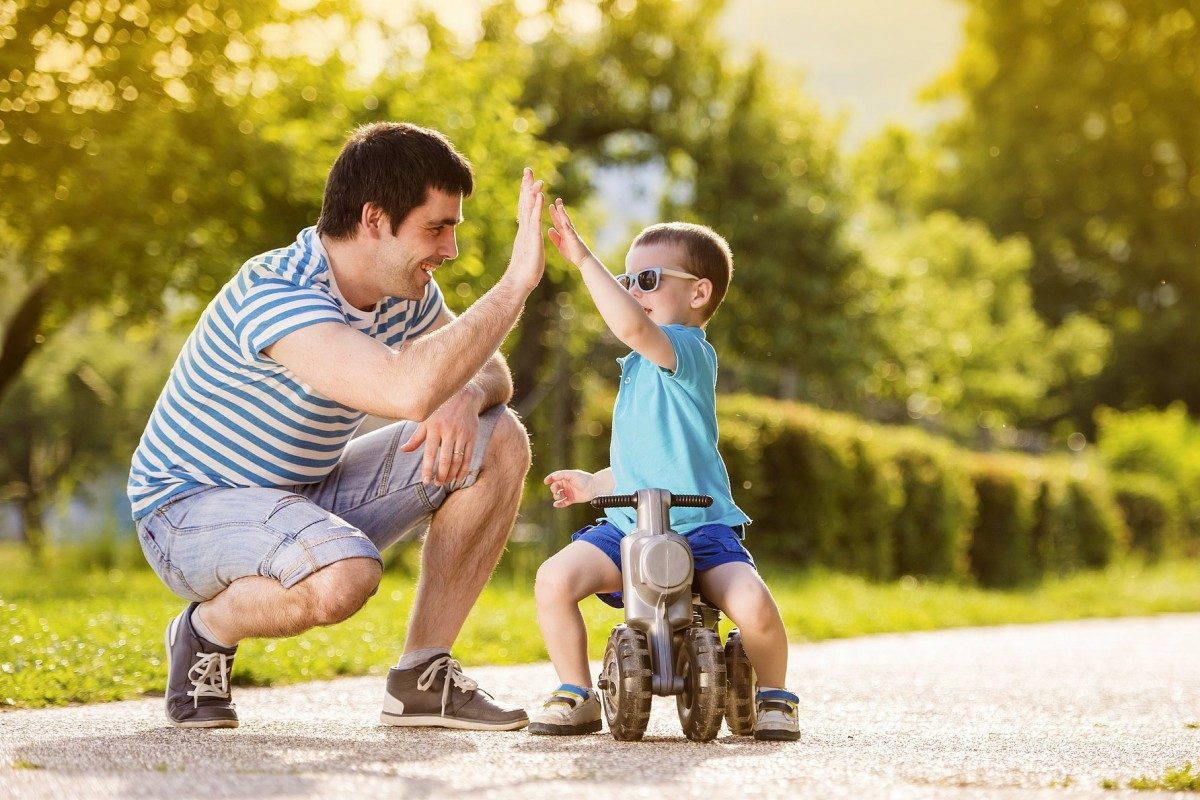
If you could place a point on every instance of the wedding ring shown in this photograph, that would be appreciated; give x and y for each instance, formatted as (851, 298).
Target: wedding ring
(460, 452)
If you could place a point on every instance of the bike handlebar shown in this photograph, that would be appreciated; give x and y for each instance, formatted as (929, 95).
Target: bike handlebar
(630, 501)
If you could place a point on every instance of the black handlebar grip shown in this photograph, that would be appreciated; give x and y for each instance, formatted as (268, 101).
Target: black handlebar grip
(630, 501)
(691, 500)
(615, 501)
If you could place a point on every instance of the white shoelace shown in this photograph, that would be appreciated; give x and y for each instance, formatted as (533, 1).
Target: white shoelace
(453, 675)
(210, 677)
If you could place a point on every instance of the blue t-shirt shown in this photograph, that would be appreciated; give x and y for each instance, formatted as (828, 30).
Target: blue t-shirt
(664, 433)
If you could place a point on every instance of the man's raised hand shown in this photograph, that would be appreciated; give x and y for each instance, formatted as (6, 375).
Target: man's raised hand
(529, 250)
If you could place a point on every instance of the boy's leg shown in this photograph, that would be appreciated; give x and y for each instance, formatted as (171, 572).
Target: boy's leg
(738, 590)
(578, 570)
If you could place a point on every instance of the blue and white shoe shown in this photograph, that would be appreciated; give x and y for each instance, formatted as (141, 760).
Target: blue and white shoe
(777, 716)
(570, 711)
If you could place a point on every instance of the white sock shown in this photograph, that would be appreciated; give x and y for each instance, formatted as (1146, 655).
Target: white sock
(205, 632)
(418, 657)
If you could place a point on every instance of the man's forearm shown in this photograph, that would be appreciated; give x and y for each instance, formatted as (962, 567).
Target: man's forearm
(450, 357)
(493, 382)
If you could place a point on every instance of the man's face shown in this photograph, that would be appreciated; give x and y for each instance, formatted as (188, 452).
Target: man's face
(404, 263)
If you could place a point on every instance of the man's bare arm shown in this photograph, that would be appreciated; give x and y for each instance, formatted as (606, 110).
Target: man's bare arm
(493, 383)
(357, 371)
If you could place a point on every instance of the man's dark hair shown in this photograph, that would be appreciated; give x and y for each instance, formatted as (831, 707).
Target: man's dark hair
(706, 252)
(394, 165)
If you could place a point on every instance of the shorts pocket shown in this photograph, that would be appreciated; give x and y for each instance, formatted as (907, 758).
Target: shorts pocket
(294, 514)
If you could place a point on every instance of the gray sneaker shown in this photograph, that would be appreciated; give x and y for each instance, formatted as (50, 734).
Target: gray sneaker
(437, 694)
(197, 678)
(567, 713)
(778, 717)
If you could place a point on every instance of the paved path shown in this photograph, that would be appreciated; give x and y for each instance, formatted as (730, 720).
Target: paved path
(1008, 712)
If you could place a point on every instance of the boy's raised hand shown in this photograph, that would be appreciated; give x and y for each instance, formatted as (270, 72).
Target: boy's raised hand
(570, 486)
(564, 236)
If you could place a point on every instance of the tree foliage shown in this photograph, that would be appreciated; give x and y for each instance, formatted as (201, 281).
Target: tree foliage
(1078, 131)
(130, 161)
(741, 150)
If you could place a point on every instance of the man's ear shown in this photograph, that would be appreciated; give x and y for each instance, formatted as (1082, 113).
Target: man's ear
(701, 293)
(373, 220)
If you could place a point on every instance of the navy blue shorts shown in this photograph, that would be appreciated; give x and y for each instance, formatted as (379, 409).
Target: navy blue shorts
(712, 546)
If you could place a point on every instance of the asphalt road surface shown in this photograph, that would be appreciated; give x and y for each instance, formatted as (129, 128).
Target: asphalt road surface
(1022, 711)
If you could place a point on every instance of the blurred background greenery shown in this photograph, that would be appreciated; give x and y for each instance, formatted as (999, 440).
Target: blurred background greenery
(961, 337)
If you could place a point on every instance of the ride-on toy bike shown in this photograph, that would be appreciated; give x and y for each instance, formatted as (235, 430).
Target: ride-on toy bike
(669, 644)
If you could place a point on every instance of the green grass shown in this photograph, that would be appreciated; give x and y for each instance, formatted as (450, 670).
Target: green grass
(73, 635)
(1182, 779)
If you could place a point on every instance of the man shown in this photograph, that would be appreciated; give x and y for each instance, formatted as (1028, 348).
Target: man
(251, 501)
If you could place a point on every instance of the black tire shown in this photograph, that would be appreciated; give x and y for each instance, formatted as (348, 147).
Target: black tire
(739, 689)
(701, 664)
(625, 684)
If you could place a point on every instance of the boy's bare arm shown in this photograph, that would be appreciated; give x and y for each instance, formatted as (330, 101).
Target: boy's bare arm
(569, 486)
(622, 313)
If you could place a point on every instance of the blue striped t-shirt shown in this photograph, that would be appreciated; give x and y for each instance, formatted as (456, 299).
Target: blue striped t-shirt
(230, 416)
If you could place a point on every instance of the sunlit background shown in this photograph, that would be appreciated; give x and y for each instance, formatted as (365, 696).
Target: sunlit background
(960, 337)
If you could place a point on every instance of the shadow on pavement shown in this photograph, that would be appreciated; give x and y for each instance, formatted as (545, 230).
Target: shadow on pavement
(236, 764)
(652, 761)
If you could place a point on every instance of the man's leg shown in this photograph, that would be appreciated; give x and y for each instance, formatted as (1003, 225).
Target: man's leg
(460, 552)
(377, 488)
(466, 537)
(257, 562)
(261, 607)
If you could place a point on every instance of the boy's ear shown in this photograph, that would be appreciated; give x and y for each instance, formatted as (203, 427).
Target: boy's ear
(701, 293)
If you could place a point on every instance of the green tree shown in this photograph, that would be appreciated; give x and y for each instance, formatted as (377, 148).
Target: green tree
(77, 411)
(129, 163)
(1078, 130)
(741, 150)
(958, 342)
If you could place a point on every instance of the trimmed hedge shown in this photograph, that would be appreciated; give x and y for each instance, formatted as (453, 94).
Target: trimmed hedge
(1152, 510)
(826, 489)
(1002, 541)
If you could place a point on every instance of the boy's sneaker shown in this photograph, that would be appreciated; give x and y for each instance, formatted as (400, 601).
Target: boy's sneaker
(777, 716)
(197, 678)
(570, 711)
(437, 694)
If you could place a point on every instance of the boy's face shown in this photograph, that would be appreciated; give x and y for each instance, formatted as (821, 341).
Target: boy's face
(676, 301)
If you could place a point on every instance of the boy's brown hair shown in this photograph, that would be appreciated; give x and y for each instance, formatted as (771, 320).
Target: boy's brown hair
(706, 254)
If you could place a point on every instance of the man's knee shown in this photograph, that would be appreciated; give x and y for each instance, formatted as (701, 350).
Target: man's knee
(509, 444)
(342, 588)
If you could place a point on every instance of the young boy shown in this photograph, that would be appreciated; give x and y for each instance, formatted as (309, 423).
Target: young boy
(664, 435)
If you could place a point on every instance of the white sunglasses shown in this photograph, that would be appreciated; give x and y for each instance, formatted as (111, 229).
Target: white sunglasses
(650, 278)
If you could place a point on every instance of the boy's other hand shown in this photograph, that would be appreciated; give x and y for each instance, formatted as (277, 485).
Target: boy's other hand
(564, 236)
(569, 486)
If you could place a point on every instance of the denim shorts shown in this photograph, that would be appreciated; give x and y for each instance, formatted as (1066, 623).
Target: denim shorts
(203, 539)
(712, 546)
